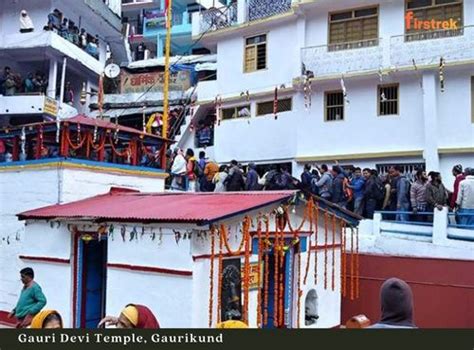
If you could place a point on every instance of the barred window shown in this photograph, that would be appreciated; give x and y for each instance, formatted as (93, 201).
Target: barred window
(284, 105)
(419, 26)
(388, 99)
(408, 169)
(255, 53)
(235, 112)
(353, 29)
(334, 106)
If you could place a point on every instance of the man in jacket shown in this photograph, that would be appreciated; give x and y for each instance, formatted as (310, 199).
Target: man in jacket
(459, 176)
(465, 200)
(357, 184)
(418, 195)
(306, 178)
(370, 198)
(235, 181)
(402, 193)
(436, 194)
(251, 183)
(324, 184)
(338, 187)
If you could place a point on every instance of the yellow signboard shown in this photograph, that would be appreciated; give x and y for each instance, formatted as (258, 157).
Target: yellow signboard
(253, 280)
(50, 107)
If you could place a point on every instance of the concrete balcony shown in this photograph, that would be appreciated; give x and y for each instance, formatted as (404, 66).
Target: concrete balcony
(427, 48)
(215, 18)
(29, 105)
(207, 90)
(30, 42)
(347, 58)
(367, 57)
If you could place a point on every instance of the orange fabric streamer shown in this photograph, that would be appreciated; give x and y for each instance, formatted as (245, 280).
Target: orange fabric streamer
(219, 281)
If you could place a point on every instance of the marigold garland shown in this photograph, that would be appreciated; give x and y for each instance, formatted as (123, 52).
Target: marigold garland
(259, 262)
(267, 277)
(275, 277)
(343, 259)
(211, 278)
(80, 140)
(311, 230)
(226, 242)
(246, 234)
(352, 263)
(333, 268)
(326, 250)
(219, 281)
(300, 292)
(281, 275)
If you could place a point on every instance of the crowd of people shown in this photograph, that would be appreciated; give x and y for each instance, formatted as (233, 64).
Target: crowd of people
(362, 191)
(12, 83)
(66, 28)
(365, 191)
(204, 175)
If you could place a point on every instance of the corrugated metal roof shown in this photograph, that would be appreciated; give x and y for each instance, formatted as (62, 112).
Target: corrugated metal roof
(133, 206)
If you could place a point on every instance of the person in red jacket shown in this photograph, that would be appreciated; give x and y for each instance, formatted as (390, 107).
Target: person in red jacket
(459, 175)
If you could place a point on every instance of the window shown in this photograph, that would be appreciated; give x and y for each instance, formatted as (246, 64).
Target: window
(431, 19)
(255, 53)
(353, 29)
(284, 105)
(388, 99)
(408, 169)
(334, 106)
(235, 112)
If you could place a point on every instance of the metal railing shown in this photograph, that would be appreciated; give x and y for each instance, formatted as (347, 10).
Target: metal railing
(259, 9)
(343, 57)
(218, 18)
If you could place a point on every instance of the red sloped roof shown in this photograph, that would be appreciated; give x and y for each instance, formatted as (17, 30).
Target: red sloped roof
(126, 205)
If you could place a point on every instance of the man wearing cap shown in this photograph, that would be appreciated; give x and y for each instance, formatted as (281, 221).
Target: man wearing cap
(459, 175)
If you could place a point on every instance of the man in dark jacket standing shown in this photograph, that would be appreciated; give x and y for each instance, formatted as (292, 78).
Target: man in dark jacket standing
(306, 178)
(370, 198)
(338, 187)
(235, 181)
(251, 183)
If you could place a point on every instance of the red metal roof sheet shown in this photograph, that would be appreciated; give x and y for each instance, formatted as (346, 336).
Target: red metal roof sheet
(126, 205)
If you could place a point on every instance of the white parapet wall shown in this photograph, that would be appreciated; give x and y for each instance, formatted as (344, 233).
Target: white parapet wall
(33, 184)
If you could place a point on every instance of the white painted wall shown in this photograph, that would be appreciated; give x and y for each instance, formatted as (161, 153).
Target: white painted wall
(169, 297)
(27, 189)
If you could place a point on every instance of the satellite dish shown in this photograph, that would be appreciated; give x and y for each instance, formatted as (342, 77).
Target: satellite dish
(112, 71)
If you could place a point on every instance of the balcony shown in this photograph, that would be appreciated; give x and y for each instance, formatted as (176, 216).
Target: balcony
(31, 105)
(215, 18)
(336, 59)
(424, 48)
(427, 48)
(260, 9)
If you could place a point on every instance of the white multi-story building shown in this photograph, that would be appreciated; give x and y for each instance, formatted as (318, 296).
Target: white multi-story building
(408, 92)
(58, 58)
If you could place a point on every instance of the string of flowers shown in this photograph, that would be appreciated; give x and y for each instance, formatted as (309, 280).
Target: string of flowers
(275, 277)
(316, 231)
(325, 249)
(219, 281)
(211, 278)
(311, 230)
(281, 275)
(300, 292)
(267, 238)
(352, 263)
(80, 139)
(343, 258)
(246, 234)
(226, 242)
(259, 262)
(308, 209)
(100, 145)
(333, 268)
(124, 153)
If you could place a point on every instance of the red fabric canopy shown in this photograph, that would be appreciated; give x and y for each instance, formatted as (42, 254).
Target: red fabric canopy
(133, 206)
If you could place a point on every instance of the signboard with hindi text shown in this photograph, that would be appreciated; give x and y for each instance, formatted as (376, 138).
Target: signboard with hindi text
(153, 82)
(50, 107)
(253, 280)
